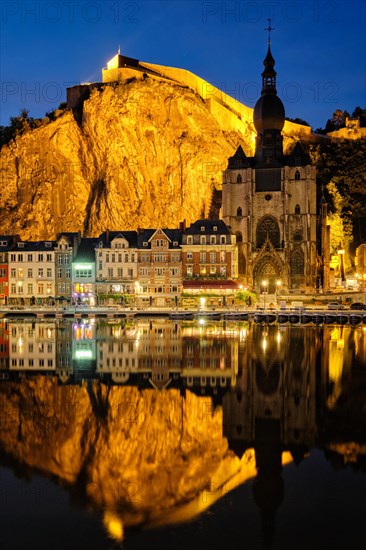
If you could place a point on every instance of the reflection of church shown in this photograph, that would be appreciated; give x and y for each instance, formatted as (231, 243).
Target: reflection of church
(269, 201)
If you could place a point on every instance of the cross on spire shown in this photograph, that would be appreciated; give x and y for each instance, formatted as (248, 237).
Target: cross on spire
(269, 29)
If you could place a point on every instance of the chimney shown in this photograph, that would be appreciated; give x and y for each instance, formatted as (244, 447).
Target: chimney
(182, 226)
(107, 236)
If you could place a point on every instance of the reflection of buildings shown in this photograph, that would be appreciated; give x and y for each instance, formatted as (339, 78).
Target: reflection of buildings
(210, 357)
(83, 349)
(117, 351)
(278, 384)
(32, 346)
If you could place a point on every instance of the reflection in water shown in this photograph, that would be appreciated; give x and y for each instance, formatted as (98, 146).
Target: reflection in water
(98, 418)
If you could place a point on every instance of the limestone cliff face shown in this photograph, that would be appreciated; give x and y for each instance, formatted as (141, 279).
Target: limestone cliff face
(147, 152)
(141, 453)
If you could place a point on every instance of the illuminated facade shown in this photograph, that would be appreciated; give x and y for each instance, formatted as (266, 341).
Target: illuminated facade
(32, 273)
(65, 250)
(7, 243)
(269, 201)
(116, 266)
(159, 267)
(209, 251)
(83, 273)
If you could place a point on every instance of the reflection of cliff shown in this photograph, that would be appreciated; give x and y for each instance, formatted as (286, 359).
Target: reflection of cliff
(141, 452)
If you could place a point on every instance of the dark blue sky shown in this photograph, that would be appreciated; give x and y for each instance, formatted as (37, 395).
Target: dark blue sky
(319, 47)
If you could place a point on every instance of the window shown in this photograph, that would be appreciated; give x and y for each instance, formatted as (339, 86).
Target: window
(239, 179)
(13, 272)
(212, 239)
(144, 243)
(83, 273)
(175, 243)
(107, 258)
(40, 272)
(40, 288)
(30, 258)
(212, 270)
(120, 272)
(297, 209)
(215, 227)
(222, 239)
(20, 273)
(13, 287)
(49, 272)
(59, 272)
(239, 212)
(49, 257)
(2, 272)
(68, 273)
(268, 228)
(297, 175)
(189, 270)
(159, 242)
(110, 273)
(189, 256)
(203, 239)
(297, 263)
(212, 257)
(12, 257)
(48, 245)
(30, 273)
(223, 270)
(20, 257)
(202, 257)
(60, 259)
(222, 257)
(189, 239)
(40, 257)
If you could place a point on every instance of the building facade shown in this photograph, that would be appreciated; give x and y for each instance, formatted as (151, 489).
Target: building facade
(209, 251)
(116, 266)
(269, 201)
(159, 267)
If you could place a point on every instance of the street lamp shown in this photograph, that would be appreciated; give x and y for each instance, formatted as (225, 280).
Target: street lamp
(341, 255)
(264, 285)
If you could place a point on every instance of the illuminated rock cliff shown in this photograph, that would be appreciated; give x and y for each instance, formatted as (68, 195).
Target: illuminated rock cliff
(147, 151)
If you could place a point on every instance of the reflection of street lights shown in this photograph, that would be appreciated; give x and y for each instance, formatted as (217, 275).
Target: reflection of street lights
(278, 288)
(341, 254)
(264, 284)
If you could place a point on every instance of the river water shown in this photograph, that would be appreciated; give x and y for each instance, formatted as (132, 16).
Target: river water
(195, 434)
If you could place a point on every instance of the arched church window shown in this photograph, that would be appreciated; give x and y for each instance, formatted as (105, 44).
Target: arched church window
(297, 209)
(239, 179)
(297, 263)
(268, 228)
(297, 175)
(239, 212)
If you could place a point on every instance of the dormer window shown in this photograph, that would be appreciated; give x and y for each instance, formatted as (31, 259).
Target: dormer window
(202, 227)
(20, 245)
(175, 243)
(144, 243)
(48, 245)
(215, 227)
(100, 244)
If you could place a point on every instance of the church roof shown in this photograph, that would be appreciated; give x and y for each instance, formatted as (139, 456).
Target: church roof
(298, 156)
(238, 160)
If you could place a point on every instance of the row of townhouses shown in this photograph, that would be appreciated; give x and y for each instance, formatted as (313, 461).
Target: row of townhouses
(148, 267)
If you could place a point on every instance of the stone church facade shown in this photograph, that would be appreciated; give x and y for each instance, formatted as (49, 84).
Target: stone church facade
(269, 201)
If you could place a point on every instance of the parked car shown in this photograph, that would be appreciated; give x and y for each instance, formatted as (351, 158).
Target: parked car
(357, 305)
(335, 305)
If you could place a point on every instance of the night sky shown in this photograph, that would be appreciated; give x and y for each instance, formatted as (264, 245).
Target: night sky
(319, 47)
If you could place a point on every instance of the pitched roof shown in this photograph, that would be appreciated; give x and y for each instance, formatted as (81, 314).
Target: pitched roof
(238, 160)
(107, 237)
(86, 250)
(196, 228)
(298, 156)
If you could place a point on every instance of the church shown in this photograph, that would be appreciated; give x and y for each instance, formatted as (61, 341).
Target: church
(269, 201)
